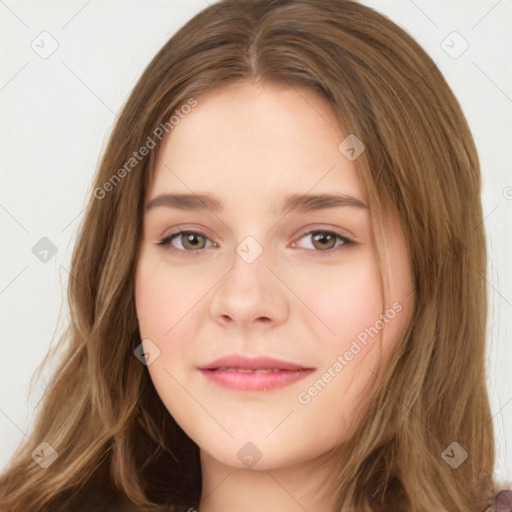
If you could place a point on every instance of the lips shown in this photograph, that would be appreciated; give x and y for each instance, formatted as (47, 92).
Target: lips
(252, 363)
(253, 373)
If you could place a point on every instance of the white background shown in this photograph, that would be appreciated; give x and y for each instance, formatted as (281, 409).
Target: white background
(56, 114)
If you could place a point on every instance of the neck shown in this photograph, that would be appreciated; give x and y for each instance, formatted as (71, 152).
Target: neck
(304, 486)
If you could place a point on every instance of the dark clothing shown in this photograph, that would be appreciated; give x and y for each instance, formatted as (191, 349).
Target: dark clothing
(99, 495)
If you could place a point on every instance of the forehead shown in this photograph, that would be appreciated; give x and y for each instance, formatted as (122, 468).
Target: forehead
(250, 143)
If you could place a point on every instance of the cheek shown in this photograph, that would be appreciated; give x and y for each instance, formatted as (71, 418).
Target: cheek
(163, 295)
(154, 302)
(345, 299)
(357, 341)
(166, 304)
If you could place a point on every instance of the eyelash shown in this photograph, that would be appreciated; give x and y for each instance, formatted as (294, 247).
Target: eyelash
(323, 253)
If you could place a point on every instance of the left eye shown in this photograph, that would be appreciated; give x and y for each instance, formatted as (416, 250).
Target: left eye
(190, 241)
(325, 240)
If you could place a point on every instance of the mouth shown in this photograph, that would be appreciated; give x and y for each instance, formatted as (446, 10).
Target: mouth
(253, 373)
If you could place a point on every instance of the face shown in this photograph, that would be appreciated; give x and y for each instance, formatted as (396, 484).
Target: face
(262, 312)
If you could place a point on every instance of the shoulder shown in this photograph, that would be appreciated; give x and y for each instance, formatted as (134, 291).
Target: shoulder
(502, 500)
(99, 494)
(98, 497)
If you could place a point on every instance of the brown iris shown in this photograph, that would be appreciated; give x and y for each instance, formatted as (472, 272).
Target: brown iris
(191, 239)
(325, 239)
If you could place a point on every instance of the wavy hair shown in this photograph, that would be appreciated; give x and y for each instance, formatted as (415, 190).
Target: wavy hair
(100, 411)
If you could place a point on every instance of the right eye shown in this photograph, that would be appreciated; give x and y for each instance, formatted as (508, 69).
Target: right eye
(188, 241)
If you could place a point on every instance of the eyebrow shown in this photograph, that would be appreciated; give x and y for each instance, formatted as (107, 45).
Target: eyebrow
(294, 202)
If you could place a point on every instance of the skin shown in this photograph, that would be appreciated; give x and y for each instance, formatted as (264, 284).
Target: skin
(251, 145)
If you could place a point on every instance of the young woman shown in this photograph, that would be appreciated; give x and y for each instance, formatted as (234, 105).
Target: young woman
(278, 299)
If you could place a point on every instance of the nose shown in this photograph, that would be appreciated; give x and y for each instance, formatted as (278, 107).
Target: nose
(250, 295)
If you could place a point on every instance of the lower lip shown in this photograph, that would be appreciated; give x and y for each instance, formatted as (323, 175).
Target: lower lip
(252, 381)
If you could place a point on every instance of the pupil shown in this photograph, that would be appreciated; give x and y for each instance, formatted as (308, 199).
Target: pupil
(190, 239)
(323, 238)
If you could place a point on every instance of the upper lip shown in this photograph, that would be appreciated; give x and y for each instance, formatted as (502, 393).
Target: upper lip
(252, 363)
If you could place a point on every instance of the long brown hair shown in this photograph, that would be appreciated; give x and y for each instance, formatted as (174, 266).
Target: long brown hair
(101, 413)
